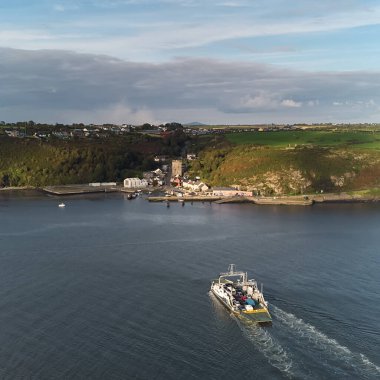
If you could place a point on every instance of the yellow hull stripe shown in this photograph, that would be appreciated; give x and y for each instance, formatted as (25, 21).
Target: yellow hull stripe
(255, 311)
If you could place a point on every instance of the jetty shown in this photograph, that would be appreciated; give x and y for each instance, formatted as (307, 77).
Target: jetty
(286, 200)
(234, 200)
(78, 189)
(191, 198)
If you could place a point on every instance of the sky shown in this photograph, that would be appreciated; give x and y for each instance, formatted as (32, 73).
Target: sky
(211, 61)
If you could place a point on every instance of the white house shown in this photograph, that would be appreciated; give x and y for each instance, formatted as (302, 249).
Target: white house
(135, 183)
(191, 156)
(158, 172)
(195, 186)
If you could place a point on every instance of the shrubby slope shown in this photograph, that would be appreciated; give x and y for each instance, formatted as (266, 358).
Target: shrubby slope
(293, 163)
(32, 162)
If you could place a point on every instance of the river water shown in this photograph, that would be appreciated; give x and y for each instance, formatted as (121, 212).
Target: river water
(110, 288)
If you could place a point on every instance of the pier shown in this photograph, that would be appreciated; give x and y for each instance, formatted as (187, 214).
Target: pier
(297, 200)
(173, 198)
(78, 189)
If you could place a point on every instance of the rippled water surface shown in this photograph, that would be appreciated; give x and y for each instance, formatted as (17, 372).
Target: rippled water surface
(108, 288)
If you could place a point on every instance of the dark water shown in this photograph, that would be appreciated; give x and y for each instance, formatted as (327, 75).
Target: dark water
(114, 289)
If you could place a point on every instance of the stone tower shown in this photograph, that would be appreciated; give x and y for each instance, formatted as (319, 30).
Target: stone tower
(177, 168)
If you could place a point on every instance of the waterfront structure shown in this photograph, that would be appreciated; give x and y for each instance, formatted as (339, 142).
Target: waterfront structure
(195, 186)
(177, 170)
(230, 192)
(135, 183)
(155, 177)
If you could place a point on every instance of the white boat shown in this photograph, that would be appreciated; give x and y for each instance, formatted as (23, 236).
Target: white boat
(61, 205)
(241, 296)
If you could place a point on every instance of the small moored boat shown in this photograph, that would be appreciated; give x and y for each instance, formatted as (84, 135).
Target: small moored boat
(241, 296)
(61, 205)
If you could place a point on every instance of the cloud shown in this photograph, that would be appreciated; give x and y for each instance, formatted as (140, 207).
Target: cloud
(62, 86)
(291, 103)
(261, 101)
(368, 103)
(137, 29)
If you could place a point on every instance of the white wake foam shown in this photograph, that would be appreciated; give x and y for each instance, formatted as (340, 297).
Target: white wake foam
(298, 343)
(276, 355)
(336, 354)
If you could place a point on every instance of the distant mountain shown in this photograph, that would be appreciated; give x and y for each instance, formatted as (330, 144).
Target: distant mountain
(194, 124)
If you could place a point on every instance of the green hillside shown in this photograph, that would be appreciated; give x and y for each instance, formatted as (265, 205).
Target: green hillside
(281, 162)
(294, 162)
(32, 162)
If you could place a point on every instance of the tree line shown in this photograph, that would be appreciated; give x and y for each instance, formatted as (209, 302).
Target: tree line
(32, 162)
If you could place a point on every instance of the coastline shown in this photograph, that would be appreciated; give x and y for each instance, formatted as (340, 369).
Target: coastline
(286, 200)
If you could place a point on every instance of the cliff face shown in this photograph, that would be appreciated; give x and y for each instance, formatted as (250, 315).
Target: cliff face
(283, 181)
(307, 169)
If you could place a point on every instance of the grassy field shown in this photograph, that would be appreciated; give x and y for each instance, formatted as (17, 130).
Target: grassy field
(283, 139)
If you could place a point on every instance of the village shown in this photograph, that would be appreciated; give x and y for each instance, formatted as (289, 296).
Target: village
(173, 180)
(169, 182)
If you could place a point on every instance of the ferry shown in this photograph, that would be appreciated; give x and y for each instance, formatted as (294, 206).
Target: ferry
(241, 296)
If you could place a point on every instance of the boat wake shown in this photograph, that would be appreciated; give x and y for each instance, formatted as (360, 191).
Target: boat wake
(264, 342)
(327, 351)
(276, 355)
(301, 351)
